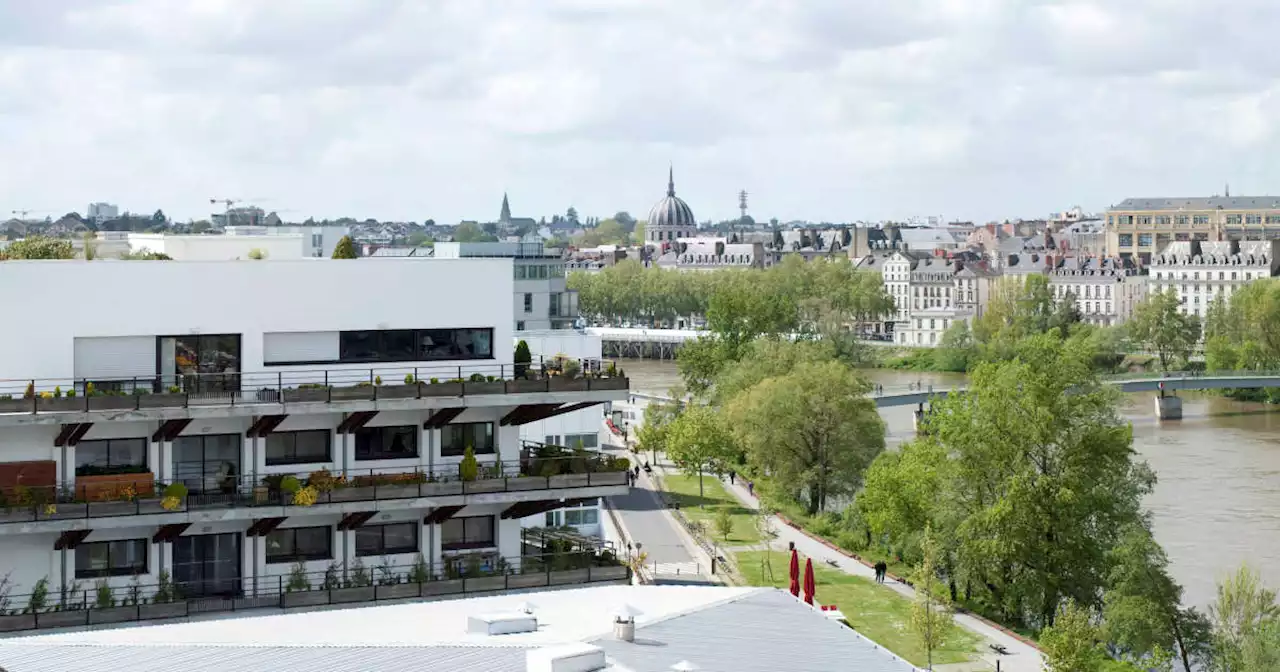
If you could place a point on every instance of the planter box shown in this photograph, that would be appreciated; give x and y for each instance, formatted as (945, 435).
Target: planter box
(306, 394)
(398, 591)
(69, 404)
(562, 384)
(163, 610)
(486, 485)
(111, 402)
(398, 491)
(107, 487)
(442, 489)
(113, 615)
(108, 509)
(527, 580)
(486, 387)
(609, 478)
(17, 406)
(345, 595)
(570, 481)
(442, 390)
(397, 391)
(16, 623)
(304, 598)
(520, 386)
(609, 384)
(613, 573)
(569, 576)
(146, 506)
(358, 494)
(352, 393)
(164, 400)
(442, 587)
(526, 483)
(17, 514)
(64, 511)
(485, 583)
(63, 619)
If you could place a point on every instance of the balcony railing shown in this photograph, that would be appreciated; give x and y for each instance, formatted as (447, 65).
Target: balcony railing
(306, 386)
(79, 605)
(145, 495)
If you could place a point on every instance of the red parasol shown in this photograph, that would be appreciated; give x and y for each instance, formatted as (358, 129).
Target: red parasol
(809, 583)
(795, 573)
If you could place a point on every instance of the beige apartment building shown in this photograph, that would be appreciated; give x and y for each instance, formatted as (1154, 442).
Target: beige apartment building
(1141, 227)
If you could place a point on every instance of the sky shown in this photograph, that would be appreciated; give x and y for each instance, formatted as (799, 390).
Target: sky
(826, 110)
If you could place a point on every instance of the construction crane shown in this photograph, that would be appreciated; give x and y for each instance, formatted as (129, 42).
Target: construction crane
(22, 214)
(228, 202)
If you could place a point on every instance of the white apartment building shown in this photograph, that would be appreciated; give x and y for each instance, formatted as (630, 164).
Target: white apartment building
(256, 431)
(542, 299)
(316, 241)
(101, 212)
(1201, 271)
(1105, 289)
(931, 293)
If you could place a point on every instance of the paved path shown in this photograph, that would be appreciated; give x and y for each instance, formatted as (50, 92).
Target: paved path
(648, 522)
(1021, 658)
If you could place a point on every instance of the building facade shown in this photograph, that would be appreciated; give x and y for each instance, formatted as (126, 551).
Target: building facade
(1105, 290)
(542, 297)
(1142, 227)
(299, 419)
(1201, 272)
(101, 212)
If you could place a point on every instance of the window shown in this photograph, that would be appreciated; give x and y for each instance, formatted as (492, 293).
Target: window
(454, 438)
(298, 544)
(1144, 240)
(411, 345)
(206, 363)
(581, 517)
(111, 456)
(463, 533)
(1126, 240)
(528, 302)
(554, 311)
(387, 539)
(520, 325)
(298, 447)
(111, 558)
(387, 443)
(581, 440)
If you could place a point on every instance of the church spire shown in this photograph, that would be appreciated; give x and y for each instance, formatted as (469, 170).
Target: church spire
(506, 209)
(671, 181)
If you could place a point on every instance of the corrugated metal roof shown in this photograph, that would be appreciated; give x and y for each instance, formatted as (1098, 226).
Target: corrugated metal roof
(765, 631)
(199, 658)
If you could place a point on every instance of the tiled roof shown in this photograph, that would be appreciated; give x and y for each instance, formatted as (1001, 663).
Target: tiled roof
(1201, 203)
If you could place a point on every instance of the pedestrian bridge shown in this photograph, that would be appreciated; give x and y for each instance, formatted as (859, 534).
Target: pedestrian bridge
(913, 395)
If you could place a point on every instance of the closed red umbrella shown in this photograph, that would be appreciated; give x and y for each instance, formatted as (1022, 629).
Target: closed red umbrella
(809, 584)
(795, 573)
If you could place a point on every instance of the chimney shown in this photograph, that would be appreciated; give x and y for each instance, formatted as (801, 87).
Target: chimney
(576, 657)
(624, 623)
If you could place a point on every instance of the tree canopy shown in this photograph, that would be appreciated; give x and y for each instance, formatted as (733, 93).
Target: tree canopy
(345, 249)
(1160, 326)
(38, 247)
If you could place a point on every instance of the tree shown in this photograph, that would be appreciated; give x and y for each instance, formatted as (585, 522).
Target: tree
(724, 522)
(1160, 325)
(90, 243)
(1245, 619)
(470, 232)
(1071, 643)
(931, 618)
(571, 215)
(698, 441)
(40, 247)
(813, 430)
(1143, 608)
(522, 358)
(345, 249)
(658, 416)
(159, 217)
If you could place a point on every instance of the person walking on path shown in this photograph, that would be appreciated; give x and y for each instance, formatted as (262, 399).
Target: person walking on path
(881, 569)
(751, 488)
(732, 476)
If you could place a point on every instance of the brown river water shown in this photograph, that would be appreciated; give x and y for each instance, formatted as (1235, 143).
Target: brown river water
(1217, 502)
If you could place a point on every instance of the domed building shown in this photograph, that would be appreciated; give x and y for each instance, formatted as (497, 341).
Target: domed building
(670, 218)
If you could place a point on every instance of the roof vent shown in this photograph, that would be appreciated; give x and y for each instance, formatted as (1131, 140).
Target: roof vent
(576, 657)
(506, 623)
(624, 623)
(685, 666)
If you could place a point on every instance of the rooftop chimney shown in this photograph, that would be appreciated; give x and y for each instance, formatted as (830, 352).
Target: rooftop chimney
(624, 623)
(576, 657)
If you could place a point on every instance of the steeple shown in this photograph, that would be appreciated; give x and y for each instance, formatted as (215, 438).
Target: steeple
(506, 209)
(671, 181)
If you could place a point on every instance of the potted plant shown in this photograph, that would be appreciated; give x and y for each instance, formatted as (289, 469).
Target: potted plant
(165, 603)
(356, 587)
(111, 401)
(478, 383)
(106, 609)
(56, 402)
(23, 404)
(298, 591)
(570, 378)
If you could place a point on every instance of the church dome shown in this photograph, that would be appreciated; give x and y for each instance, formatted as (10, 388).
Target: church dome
(670, 218)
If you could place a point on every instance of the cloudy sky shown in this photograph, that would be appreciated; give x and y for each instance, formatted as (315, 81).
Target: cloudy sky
(832, 110)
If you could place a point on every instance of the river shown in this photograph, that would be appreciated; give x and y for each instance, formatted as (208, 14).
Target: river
(1216, 504)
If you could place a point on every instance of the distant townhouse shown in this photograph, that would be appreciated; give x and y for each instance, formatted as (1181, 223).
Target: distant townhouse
(1105, 289)
(1142, 227)
(1200, 272)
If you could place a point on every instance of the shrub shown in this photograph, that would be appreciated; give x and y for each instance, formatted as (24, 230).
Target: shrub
(178, 490)
(297, 579)
(468, 468)
(31, 391)
(89, 390)
(409, 379)
(164, 588)
(377, 380)
(306, 496)
(435, 381)
(290, 484)
(419, 573)
(572, 369)
(104, 598)
(477, 378)
(57, 392)
(71, 393)
(522, 358)
(321, 480)
(39, 596)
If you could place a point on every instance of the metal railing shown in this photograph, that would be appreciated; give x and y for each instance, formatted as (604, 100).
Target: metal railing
(143, 494)
(81, 605)
(69, 395)
(1138, 376)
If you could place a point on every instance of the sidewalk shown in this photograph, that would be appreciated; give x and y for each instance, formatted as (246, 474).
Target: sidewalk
(1022, 657)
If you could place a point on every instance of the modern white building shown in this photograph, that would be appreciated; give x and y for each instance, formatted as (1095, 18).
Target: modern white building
(1105, 289)
(255, 425)
(316, 240)
(101, 212)
(1201, 271)
(542, 300)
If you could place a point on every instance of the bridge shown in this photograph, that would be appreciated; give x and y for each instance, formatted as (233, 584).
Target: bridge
(634, 343)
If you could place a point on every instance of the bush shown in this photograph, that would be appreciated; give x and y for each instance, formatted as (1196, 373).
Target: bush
(409, 379)
(468, 468)
(321, 480)
(522, 358)
(290, 484)
(297, 579)
(477, 378)
(31, 391)
(176, 490)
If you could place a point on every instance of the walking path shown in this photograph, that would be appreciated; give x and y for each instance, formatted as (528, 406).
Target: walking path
(1022, 657)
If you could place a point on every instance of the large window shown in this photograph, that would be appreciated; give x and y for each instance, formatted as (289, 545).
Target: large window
(298, 447)
(111, 558)
(387, 539)
(111, 456)
(454, 438)
(463, 533)
(200, 364)
(298, 544)
(387, 443)
(414, 345)
(208, 463)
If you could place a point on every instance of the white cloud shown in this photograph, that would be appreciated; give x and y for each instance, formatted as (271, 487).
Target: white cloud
(823, 109)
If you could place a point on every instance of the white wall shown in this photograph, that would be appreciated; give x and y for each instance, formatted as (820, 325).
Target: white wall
(222, 247)
(251, 298)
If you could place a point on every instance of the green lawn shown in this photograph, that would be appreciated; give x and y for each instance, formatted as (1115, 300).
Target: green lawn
(684, 489)
(875, 611)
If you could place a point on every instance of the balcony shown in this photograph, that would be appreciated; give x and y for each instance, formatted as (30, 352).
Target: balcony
(355, 584)
(98, 497)
(257, 390)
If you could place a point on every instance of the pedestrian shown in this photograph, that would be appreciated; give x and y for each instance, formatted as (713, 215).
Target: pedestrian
(732, 476)
(751, 488)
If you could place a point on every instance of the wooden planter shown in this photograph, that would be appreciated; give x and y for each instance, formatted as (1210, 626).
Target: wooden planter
(107, 488)
(108, 509)
(486, 387)
(521, 386)
(570, 576)
(570, 481)
(537, 580)
(111, 402)
(562, 384)
(159, 610)
(65, 404)
(486, 485)
(304, 598)
(397, 391)
(353, 393)
(442, 587)
(609, 384)
(345, 595)
(17, 405)
(526, 483)
(113, 615)
(63, 619)
(442, 488)
(442, 390)
(398, 491)
(398, 591)
(306, 395)
(17, 623)
(64, 511)
(610, 573)
(164, 400)
(485, 583)
(353, 494)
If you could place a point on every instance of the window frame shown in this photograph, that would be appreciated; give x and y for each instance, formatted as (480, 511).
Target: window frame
(380, 454)
(490, 449)
(295, 556)
(382, 548)
(491, 542)
(145, 443)
(110, 571)
(328, 447)
(379, 346)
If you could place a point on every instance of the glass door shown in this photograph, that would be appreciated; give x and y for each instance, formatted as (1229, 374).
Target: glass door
(208, 464)
(207, 565)
(205, 364)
